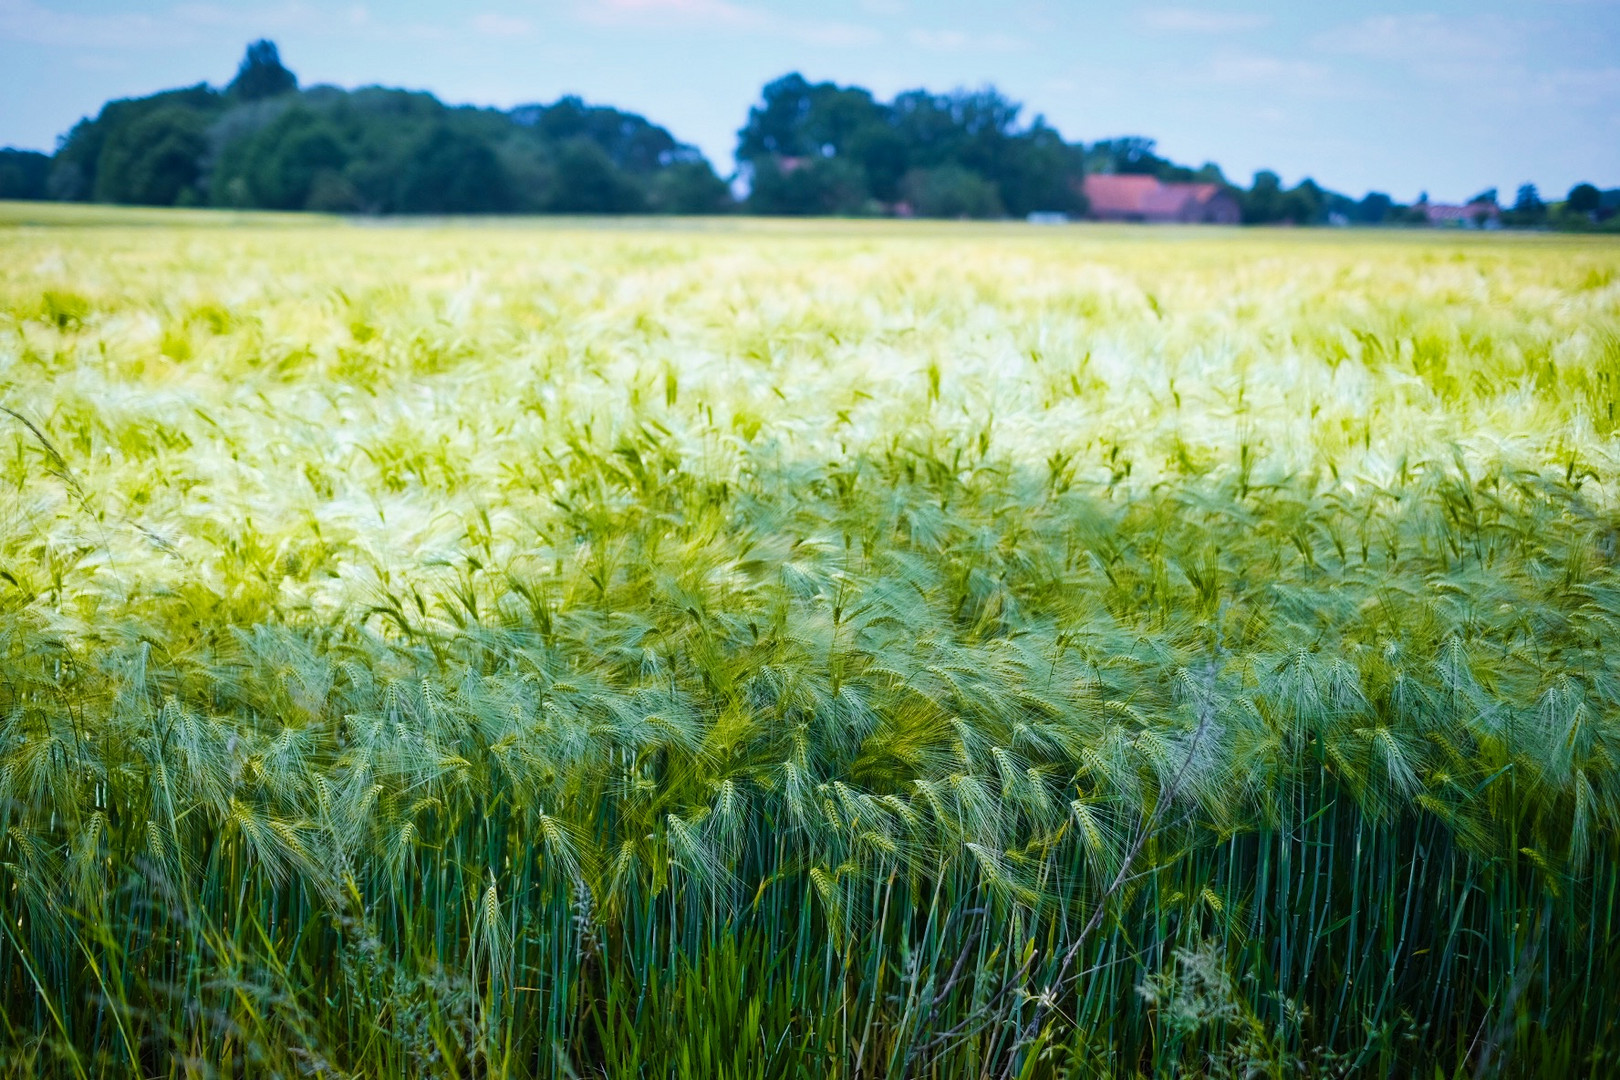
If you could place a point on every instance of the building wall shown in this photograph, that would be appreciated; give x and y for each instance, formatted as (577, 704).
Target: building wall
(1222, 209)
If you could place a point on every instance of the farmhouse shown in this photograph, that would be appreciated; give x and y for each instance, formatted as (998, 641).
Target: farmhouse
(1481, 213)
(1115, 197)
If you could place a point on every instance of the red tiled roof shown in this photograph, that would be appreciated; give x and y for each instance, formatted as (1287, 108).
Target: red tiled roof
(1145, 197)
(1115, 194)
(1437, 212)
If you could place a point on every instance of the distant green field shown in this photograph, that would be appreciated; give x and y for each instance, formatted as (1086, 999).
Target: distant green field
(749, 649)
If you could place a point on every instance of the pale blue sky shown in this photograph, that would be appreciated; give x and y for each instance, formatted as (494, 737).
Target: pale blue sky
(1445, 96)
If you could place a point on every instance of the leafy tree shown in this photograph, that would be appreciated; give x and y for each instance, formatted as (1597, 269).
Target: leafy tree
(798, 119)
(277, 166)
(589, 183)
(890, 152)
(1127, 155)
(1038, 171)
(631, 142)
(1262, 203)
(331, 192)
(23, 174)
(798, 186)
(950, 191)
(261, 74)
(1302, 204)
(1267, 203)
(155, 160)
(450, 172)
(1584, 199)
(688, 187)
(1373, 209)
(264, 143)
(1528, 209)
(91, 158)
(883, 156)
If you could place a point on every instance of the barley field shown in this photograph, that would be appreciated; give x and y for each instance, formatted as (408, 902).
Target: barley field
(750, 649)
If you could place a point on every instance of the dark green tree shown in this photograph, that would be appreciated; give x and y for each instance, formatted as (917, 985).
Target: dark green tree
(1584, 199)
(950, 191)
(261, 74)
(91, 159)
(155, 160)
(587, 182)
(800, 119)
(1528, 210)
(1303, 203)
(1267, 203)
(1263, 202)
(808, 186)
(1127, 154)
(1373, 209)
(450, 172)
(688, 187)
(1038, 171)
(277, 166)
(23, 174)
(822, 148)
(631, 142)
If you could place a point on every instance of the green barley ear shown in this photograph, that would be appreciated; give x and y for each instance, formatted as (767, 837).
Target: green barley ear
(492, 939)
(826, 887)
(1580, 830)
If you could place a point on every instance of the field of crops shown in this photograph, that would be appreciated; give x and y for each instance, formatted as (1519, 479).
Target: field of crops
(825, 650)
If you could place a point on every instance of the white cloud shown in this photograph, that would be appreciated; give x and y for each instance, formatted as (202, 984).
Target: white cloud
(1275, 72)
(182, 25)
(1583, 86)
(939, 40)
(1199, 21)
(835, 34)
(724, 15)
(35, 24)
(955, 41)
(643, 12)
(1426, 38)
(496, 25)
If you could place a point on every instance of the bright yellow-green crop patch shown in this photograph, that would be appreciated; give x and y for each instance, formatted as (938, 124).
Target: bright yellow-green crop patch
(328, 400)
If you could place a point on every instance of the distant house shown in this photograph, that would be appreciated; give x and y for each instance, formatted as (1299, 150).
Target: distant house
(1116, 197)
(1480, 214)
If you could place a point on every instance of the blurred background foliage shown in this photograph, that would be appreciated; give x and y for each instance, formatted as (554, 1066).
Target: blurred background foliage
(806, 149)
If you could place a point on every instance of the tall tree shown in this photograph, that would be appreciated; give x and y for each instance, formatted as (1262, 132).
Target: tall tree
(261, 74)
(1584, 199)
(23, 174)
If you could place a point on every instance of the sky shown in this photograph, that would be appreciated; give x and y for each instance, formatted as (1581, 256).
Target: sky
(1443, 97)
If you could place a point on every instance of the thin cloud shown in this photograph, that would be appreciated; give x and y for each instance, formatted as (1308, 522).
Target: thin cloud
(705, 12)
(181, 25)
(835, 34)
(1250, 69)
(1583, 86)
(35, 24)
(1426, 38)
(724, 15)
(1199, 21)
(496, 25)
(953, 41)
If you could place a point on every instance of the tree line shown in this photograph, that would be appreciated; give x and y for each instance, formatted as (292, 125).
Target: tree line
(263, 143)
(807, 148)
